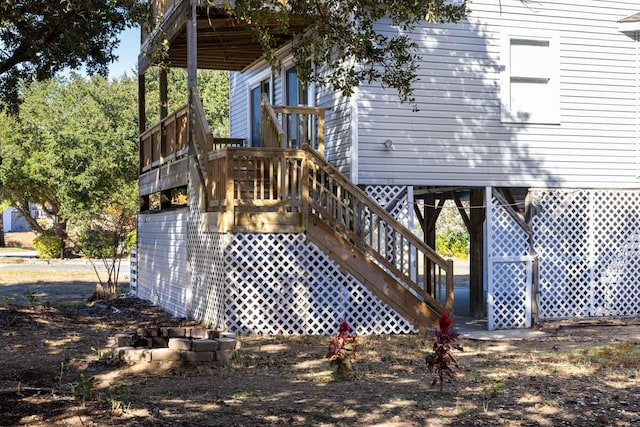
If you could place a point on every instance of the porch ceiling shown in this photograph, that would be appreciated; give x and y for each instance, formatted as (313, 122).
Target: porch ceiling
(223, 42)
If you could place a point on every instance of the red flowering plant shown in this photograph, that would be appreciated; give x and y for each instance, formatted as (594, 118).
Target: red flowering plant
(342, 350)
(442, 359)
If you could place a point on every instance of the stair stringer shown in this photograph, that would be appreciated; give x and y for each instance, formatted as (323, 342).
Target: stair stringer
(374, 278)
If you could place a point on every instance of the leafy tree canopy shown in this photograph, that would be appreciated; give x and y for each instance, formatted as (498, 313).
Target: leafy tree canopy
(39, 38)
(344, 35)
(71, 148)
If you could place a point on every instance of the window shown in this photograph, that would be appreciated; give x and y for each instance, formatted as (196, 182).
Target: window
(530, 91)
(255, 95)
(297, 94)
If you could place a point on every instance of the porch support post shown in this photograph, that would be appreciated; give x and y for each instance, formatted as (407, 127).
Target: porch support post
(476, 252)
(429, 230)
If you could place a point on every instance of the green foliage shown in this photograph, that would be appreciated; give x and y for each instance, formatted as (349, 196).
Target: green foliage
(213, 87)
(47, 246)
(452, 242)
(84, 388)
(343, 36)
(41, 38)
(72, 148)
(130, 241)
(96, 243)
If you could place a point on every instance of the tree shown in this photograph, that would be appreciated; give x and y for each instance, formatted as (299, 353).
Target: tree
(40, 38)
(342, 36)
(71, 148)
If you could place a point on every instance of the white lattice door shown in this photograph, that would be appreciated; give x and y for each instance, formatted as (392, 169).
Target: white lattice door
(510, 267)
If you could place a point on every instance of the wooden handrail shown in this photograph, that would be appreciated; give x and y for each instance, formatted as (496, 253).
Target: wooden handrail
(273, 180)
(272, 134)
(165, 141)
(350, 212)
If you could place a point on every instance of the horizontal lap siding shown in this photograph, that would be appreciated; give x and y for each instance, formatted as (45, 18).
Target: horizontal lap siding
(457, 137)
(337, 128)
(238, 105)
(162, 260)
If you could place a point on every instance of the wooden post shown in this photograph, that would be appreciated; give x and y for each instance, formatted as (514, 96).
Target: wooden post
(162, 83)
(476, 253)
(321, 133)
(142, 117)
(449, 288)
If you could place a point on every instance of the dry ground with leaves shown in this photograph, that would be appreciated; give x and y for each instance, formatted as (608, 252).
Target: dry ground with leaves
(54, 372)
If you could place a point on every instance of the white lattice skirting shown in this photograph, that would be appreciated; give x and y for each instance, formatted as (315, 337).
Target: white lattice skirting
(257, 283)
(588, 243)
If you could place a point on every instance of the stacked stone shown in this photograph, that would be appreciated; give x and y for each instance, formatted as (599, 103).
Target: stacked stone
(186, 345)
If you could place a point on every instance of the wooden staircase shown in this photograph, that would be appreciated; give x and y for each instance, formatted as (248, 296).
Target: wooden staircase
(286, 187)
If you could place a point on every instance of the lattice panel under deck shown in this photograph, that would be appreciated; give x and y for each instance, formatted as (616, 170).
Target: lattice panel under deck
(509, 276)
(616, 257)
(560, 229)
(509, 295)
(589, 256)
(205, 254)
(280, 284)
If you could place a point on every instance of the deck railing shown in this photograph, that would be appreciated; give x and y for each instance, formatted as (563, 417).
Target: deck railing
(166, 141)
(292, 127)
(300, 181)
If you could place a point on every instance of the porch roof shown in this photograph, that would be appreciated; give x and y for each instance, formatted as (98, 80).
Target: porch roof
(223, 42)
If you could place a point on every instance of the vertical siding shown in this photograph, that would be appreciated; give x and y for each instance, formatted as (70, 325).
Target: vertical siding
(457, 137)
(162, 260)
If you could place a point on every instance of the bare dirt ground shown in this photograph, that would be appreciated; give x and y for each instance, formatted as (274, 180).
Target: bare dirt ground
(53, 372)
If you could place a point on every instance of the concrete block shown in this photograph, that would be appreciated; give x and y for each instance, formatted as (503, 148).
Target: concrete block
(146, 342)
(226, 344)
(124, 340)
(211, 334)
(182, 344)
(176, 332)
(227, 335)
(197, 356)
(224, 357)
(120, 351)
(160, 342)
(204, 345)
(134, 355)
(196, 333)
(164, 355)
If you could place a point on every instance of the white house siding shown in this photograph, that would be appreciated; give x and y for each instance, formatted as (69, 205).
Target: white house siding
(162, 260)
(238, 105)
(457, 137)
(338, 119)
(338, 135)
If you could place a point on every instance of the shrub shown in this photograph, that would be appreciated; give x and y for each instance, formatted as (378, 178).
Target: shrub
(96, 243)
(438, 361)
(47, 246)
(341, 352)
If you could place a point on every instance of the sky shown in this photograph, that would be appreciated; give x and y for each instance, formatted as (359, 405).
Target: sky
(127, 54)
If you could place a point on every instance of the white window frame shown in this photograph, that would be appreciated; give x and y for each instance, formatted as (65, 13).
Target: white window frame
(551, 113)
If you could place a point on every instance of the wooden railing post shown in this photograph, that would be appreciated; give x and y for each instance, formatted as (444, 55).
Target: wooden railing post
(449, 288)
(229, 205)
(321, 133)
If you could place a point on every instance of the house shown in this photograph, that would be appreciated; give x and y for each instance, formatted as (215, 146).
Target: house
(529, 111)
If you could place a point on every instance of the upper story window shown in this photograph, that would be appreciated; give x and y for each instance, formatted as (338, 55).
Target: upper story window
(530, 91)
